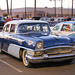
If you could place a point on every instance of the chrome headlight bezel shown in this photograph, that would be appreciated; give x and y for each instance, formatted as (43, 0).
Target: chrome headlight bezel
(39, 45)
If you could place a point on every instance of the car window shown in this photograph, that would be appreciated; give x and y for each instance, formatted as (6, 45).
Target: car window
(33, 27)
(44, 28)
(6, 28)
(57, 27)
(37, 28)
(66, 27)
(73, 27)
(12, 28)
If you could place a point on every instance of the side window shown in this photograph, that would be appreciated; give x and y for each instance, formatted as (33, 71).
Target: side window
(45, 28)
(38, 28)
(6, 28)
(56, 27)
(12, 29)
(73, 27)
(66, 27)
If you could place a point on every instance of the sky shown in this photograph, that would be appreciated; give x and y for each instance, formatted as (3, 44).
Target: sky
(30, 3)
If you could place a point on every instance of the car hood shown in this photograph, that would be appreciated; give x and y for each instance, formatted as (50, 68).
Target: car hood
(48, 40)
(53, 40)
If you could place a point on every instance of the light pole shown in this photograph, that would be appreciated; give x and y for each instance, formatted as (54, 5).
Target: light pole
(11, 8)
(55, 8)
(7, 7)
(61, 8)
(35, 8)
(25, 9)
(72, 8)
(68, 7)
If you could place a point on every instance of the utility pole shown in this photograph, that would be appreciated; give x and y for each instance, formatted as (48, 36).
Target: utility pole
(7, 7)
(55, 8)
(11, 8)
(61, 8)
(72, 8)
(35, 8)
(25, 9)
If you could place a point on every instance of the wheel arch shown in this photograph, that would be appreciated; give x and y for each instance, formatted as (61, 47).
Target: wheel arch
(21, 52)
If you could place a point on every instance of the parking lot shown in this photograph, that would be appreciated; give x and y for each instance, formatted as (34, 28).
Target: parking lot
(10, 65)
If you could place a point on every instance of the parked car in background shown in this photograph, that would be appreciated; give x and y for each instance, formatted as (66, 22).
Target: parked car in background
(45, 19)
(36, 18)
(1, 23)
(65, 28)
(33, 42)
(52, 23)
(59, 19)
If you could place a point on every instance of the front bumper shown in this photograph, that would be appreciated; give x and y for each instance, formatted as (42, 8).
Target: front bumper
(54, 54)
(47, 58)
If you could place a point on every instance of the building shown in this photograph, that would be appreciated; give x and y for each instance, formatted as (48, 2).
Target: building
(40, 12)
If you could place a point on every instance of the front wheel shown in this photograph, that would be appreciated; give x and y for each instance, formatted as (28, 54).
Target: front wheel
(25, 60)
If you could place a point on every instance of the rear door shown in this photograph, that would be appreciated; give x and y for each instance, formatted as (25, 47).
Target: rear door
(9, 31)
(5, 36)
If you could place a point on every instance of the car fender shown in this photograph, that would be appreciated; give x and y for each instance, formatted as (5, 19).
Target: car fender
(15, 50)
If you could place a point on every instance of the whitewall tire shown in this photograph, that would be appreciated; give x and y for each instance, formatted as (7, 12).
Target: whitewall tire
(25, 61)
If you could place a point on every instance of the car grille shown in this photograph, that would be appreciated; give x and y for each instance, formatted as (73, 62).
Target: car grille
(59, 50)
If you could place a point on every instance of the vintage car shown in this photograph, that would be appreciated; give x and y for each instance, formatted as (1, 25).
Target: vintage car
(33, 42)
(64, 28)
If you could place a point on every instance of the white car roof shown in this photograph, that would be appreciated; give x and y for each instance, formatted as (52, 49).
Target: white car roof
(25, 21)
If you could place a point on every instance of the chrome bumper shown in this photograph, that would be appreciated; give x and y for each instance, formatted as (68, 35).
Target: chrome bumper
(47, 58)
(55, 56)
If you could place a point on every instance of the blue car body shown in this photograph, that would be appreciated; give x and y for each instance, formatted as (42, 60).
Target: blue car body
(40, 45)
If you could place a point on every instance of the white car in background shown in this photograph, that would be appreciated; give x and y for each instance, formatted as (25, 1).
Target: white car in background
(64, 28)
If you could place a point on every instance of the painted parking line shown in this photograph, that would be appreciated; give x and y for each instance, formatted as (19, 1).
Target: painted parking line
(11, 66)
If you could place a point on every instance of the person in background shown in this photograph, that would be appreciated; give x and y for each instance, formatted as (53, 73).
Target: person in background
(67, 28)
(17, 16)
(8, 19)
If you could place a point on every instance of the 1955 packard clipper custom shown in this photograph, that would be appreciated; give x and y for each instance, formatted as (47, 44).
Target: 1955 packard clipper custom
(33, 42)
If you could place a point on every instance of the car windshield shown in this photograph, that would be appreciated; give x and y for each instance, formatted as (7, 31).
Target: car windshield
(57, 27)
(33, 27)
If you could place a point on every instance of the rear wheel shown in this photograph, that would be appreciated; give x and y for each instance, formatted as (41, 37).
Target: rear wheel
(25, 60)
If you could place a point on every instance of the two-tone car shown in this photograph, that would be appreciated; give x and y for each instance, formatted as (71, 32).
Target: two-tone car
(64, 28)
(33, 42)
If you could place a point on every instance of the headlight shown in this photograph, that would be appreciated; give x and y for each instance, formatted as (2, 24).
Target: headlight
(39, 45)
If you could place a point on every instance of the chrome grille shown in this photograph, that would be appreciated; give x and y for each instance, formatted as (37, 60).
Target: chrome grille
(59, 50)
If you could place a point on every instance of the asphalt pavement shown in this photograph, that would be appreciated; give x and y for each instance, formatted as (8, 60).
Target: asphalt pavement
(10, 65)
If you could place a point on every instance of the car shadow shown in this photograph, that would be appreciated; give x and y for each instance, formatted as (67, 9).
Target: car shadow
(50, 64)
